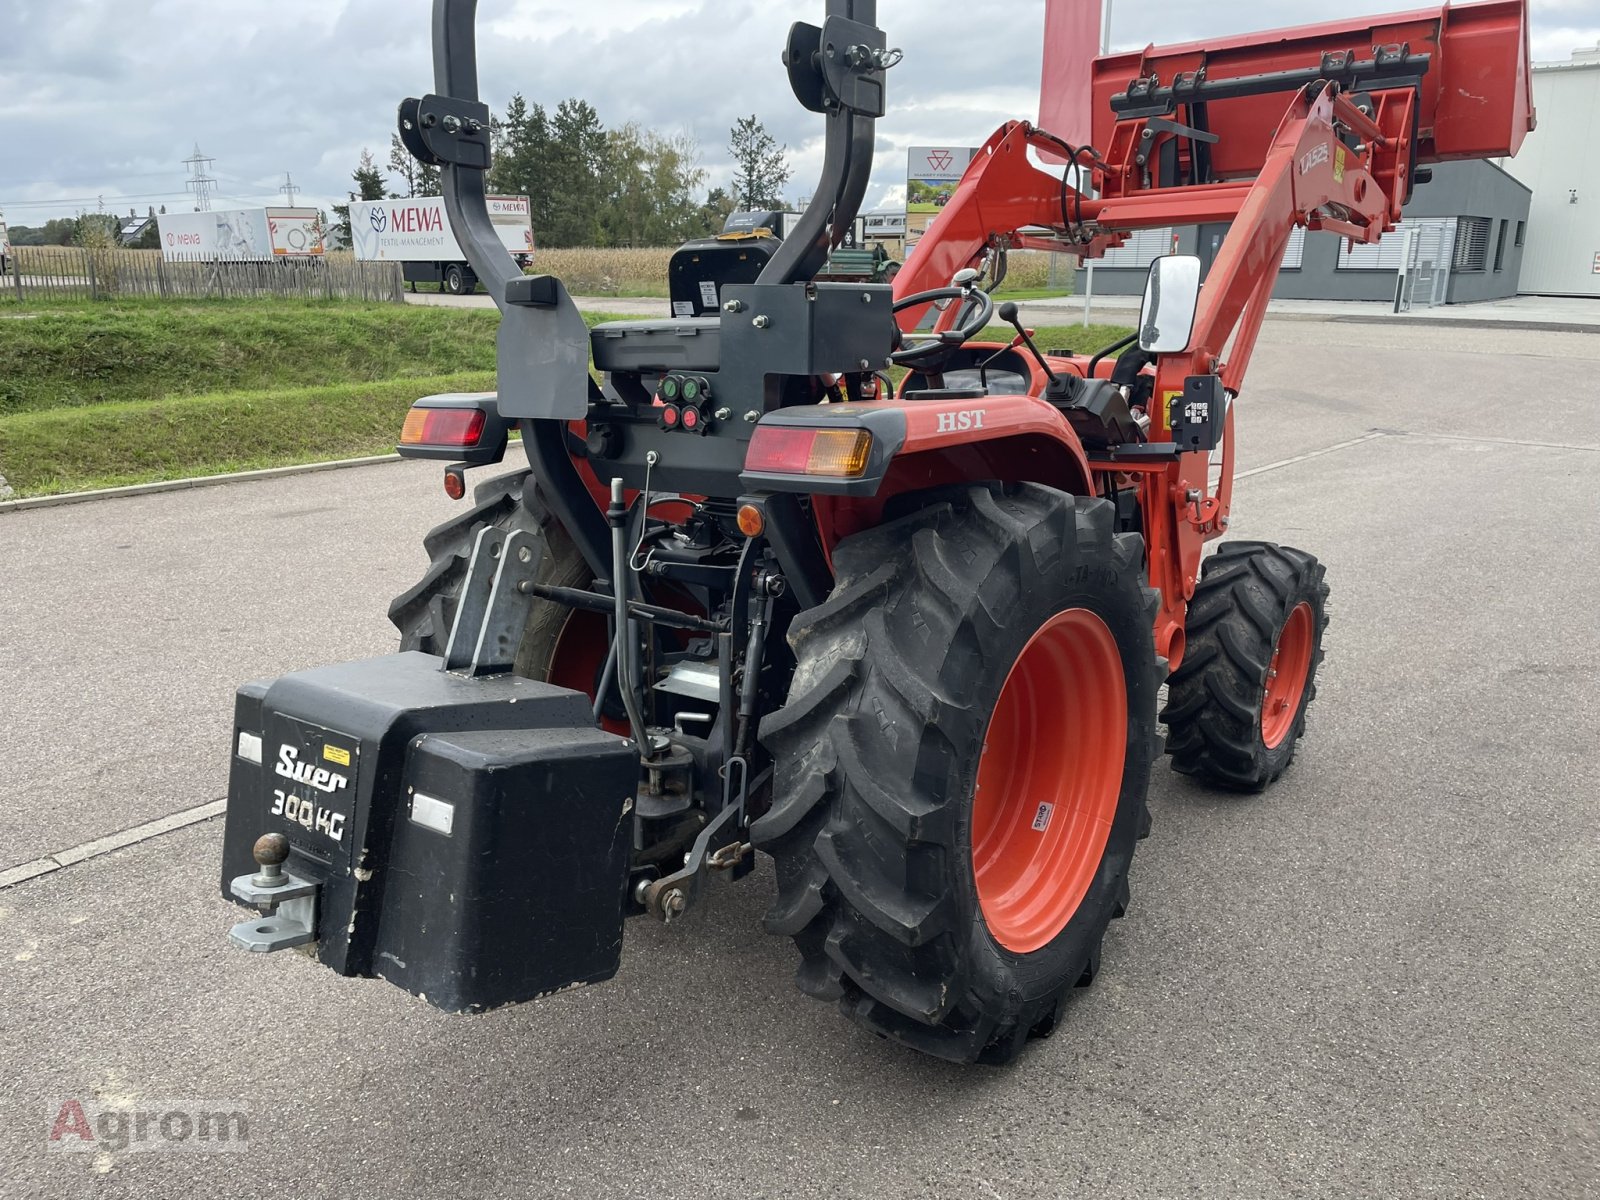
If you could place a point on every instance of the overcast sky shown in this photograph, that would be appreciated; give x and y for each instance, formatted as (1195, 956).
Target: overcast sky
(103, 99)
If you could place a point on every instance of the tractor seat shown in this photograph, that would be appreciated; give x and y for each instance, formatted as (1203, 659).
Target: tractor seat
(678, 344)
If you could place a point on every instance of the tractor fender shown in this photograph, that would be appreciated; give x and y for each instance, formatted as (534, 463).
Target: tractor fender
(919, 445)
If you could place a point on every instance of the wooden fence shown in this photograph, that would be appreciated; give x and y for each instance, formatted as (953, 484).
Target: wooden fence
(71, 273)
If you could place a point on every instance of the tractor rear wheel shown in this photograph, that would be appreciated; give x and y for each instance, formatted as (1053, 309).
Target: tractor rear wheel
(961, 767)
(559, 645)
(1236, 705)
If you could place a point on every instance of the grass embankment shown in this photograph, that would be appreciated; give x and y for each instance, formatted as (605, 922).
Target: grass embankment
(86, 354)
(105, 395)
(141, 441)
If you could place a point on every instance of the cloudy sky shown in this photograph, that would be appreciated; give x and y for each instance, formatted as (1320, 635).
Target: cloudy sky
(102, 99)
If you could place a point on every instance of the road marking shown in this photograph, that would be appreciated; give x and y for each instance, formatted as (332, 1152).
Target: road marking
(84, 851)
(1494, 441)
(1300, 458)
(199, 481)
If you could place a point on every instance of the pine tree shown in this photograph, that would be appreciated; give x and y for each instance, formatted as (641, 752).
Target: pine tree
(419, 179)
(761, 166)
(369, 181)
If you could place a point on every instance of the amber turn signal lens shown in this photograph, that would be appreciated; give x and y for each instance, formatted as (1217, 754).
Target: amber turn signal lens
(785, 450)
(752, 521)
(443, 427)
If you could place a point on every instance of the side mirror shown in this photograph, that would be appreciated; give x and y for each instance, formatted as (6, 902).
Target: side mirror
(1166, 322)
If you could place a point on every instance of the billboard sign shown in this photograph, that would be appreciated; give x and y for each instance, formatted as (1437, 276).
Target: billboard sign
(418, 229)
(932, 173)
(241, 235)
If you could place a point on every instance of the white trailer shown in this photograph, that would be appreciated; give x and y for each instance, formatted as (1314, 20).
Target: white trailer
(416, 234)
(242, 235)
(5, 246)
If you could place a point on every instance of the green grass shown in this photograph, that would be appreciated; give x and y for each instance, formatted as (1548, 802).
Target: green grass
(68, 355)
(1040, 293)
(1074, 338)
(142, 441)
(77, 444)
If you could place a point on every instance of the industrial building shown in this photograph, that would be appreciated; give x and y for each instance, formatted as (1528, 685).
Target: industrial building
(1560, 161)
(1462, 240)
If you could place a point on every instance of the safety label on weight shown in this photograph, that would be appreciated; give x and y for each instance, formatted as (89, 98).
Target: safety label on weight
(708, 294)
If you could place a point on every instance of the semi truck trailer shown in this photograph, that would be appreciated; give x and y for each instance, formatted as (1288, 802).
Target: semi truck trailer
(416, 233)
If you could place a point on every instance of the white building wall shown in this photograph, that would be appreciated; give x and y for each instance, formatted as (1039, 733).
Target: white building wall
(1560, 161)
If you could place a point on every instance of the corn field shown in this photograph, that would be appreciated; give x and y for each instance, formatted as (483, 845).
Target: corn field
(96, 273)
(604, 272)
(106, 273)
(607, 272)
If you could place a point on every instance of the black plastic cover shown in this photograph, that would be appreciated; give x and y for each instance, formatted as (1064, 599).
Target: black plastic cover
(700, 269)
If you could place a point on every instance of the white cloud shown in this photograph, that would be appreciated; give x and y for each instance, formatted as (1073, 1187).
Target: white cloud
(100, 98)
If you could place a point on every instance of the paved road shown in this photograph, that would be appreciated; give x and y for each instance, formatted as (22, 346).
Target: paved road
(1543, 313)
(1377, 980)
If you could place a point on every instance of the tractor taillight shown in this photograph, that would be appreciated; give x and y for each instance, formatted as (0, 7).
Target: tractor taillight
(785, 450)
(443, 427)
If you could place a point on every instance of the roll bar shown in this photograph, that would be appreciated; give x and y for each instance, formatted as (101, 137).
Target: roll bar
(838, 70)
(543, 354)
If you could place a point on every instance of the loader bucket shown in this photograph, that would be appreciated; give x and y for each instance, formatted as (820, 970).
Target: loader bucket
(1475, 97)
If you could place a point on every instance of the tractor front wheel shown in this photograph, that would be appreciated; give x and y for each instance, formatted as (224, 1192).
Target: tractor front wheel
(961, 767)
(1236, 706)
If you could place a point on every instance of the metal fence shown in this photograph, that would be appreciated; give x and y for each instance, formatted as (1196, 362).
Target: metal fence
(71, 273)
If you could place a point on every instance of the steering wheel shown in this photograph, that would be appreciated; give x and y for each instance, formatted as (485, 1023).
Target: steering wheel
(942, 345)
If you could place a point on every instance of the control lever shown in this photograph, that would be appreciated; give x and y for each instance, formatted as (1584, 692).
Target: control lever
(1008, 314)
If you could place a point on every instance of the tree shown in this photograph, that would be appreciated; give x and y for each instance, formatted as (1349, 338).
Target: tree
(522, 159)
(95, 230)
(418, 178)
(370, 185)
(651, 182)
(575, 162)
(714, 213)
(761, 166)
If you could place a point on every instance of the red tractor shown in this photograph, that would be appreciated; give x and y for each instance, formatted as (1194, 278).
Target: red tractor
(904, 634)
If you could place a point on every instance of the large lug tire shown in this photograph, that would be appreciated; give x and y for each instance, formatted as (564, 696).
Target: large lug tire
(978, 661)
(424, 614)
(1236, 706)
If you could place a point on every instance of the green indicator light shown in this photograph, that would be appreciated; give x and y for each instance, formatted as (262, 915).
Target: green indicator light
(669, 388)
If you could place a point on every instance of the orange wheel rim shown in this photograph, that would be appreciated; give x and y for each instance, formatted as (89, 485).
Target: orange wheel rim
(1049, 780)
(1286, 678)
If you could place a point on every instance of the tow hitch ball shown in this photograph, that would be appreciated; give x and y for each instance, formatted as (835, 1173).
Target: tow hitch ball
(288, 904)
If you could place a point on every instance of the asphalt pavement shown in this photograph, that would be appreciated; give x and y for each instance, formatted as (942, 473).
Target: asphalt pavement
(1378, 979)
